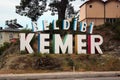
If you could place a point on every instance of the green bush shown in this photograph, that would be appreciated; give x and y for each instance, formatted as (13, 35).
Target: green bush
(71, 62)
(26, 31)
(5, 46)
(47, 62)
(114, 27)
(23, 52)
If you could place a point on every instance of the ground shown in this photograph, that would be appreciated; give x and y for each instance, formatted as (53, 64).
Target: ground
(14, 61)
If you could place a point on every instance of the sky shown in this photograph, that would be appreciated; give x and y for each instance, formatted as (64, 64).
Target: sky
(7, 12)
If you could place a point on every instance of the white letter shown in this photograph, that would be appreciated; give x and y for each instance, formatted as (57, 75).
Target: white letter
(34, 26)
(43, 43)
(24, 42)
(79, 43)
(45, 25)
(75, 24)
(83, 26)
(66, 25)
(95, 44)
(91, 28)
(67, 43)
(54, 25)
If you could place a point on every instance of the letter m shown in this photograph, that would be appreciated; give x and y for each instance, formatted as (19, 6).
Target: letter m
(64, 45)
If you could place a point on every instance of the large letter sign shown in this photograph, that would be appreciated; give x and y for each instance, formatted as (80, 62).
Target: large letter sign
(64, 42)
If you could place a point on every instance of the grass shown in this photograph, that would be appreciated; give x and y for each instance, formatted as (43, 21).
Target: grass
(62, 62)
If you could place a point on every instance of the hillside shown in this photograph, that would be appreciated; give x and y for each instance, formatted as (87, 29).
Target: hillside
(13, 61)
(111, 36)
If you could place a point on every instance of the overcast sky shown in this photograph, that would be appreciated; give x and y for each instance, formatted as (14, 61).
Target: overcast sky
(7, 12)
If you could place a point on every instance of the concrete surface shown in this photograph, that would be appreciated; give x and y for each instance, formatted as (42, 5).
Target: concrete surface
(62, 76)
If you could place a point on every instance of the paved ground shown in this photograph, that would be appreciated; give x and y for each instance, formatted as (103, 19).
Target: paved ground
(98, 78)
(64, 76)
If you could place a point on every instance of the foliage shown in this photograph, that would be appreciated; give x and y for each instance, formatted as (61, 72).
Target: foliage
(71, 63)
(61, 7)
(114, 27)
(23, 52)
(26, 31)
(5, 46)
(64, 62)
(47, 62)
(31, 8)
(35, 8)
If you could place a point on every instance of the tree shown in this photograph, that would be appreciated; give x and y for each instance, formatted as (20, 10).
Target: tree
(61, 6)
(35, 8)
(31, 8)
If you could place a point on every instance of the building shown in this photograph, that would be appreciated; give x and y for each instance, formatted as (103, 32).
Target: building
(99, 12)
(8, 35)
